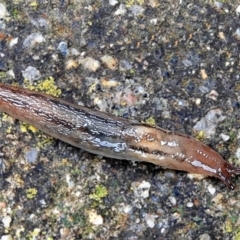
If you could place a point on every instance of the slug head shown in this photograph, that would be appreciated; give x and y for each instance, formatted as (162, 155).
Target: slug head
(226, 172)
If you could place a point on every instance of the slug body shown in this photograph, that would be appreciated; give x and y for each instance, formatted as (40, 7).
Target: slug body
(113, 137)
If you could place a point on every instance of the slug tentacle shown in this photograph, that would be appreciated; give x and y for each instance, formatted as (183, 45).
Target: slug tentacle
(112, 136)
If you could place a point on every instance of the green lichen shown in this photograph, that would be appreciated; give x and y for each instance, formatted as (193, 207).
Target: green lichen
(99, 193)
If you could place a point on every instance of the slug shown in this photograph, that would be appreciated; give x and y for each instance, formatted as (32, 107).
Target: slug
(114, 137)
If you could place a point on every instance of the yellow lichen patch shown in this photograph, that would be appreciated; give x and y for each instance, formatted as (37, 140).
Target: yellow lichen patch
(33, 4)
(47, 86)
(200, 136)
(150, 121)
(45, 141)
(9, 129)
(130, 3)
(19, 231)
(7, 118)
(25, 127)
(34, 234)
(237, 235)
(31, 193)
(228, 226)
(92, 88)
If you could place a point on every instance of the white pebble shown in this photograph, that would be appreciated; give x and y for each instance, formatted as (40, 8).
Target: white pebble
(238, 10)
(121, 10)
(190, 204)
(94, 218)
(127, 209)
(13, 42)
(3, 11)
(69, 181)
(113, 2)
(90, 64)
(150, 220)
(153, 21)
(208, 123)
(224, 137)
(211, 189)
(238, 153)
(141, 190)
(33, 39)
(173, 200)
(6, 237)
(6, 220)
(237, 33)
(31, 74)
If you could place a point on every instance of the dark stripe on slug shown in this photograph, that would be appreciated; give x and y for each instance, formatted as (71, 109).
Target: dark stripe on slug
(146, 150)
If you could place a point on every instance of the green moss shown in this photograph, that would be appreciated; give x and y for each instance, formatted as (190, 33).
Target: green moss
(99, 193)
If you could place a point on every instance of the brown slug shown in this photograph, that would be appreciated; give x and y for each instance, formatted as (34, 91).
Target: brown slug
(112, 136)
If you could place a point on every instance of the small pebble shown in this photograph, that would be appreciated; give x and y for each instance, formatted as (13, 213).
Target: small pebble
(94, 218)
(141, 190)
(150, 219)
(121, 10)
(204, 236)
(218, 5)
(109, 61)
(6, 237)
(237, 34)
(211, 189)
(33, 39)
(13, 42)
(218, 198)
(209, 122)
(69, 181)
(71, 64)
(3, 11)
(90, 64)
(113, 2)
(237, 154)
(213, 95)
(136, 10)
(224, 137)
(63, 48)
(31, 74)
(173, 201)
(31, 155)
(189, 204)
(203, 74)
(64, 232)
(198, 101)
(127, 209)
(6, 220)
(238, 10)
(154, 21)
(109, 82)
